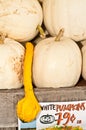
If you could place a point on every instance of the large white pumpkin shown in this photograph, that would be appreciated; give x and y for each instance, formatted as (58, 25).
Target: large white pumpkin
(19, 18)
(67, 14)
(11, 64)
(56, 63)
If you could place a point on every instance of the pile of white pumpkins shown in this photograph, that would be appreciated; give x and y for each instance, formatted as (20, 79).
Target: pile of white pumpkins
(58, 60)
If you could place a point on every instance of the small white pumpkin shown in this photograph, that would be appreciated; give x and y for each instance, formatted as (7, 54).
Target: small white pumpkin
(67, 14)
(83, 50)
(11, 64)
(19, 18)
(56, 63)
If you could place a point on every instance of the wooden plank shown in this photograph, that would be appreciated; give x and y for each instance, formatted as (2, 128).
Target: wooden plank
(8, 128)
(9, 99)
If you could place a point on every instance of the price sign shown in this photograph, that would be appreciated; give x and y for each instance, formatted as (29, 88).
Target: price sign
(62, 114)
(69, 118)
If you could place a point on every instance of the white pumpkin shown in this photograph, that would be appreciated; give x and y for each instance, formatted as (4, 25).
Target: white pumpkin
(19, 18)
(56, 63)
(67, 14)
(11, 64)
(83, 50)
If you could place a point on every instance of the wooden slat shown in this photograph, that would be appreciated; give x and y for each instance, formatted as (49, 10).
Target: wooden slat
(9, 128)
(9, 99)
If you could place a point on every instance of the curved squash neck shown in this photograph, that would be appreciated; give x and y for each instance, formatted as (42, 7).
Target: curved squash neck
(28, 69)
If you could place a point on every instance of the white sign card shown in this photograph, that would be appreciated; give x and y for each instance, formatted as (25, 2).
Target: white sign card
(59, 114)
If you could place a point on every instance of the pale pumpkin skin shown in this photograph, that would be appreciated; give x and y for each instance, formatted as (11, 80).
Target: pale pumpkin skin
(83, 50)
(56, 63)
(11, 65)
(19, 19)
(67, 14)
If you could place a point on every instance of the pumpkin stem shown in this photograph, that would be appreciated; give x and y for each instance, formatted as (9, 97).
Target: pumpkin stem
(42, 33)
(2, 37)
(60, 34)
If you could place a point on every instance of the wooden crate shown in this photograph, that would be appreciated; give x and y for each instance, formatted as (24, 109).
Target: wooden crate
(9, 99)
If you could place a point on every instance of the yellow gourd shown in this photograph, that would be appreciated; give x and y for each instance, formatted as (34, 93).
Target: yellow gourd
(28, 107)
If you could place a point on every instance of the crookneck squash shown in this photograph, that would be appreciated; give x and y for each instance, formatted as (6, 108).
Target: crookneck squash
(28, 107)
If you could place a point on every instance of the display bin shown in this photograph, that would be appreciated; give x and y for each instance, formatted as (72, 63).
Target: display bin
(9, 99)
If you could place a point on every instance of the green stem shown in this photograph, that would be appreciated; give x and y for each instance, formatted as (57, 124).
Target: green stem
(42, 33)
(60, 34)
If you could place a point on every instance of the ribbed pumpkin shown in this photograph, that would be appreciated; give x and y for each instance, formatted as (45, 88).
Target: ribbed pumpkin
(67, 14)
(56, 63)
(19, 18)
